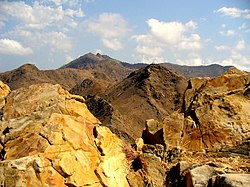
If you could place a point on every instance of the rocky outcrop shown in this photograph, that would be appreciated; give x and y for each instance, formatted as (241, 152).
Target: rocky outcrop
(49, 138)
(4, 91)
(215, 113)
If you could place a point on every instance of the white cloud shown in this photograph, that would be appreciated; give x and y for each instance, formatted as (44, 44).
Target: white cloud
(149, 59)
(12, 47)
(227, 33)
(68, 58)
(192, 60)
(112, 43)
(111, 27)
(221, 47)
(168, 32)
(191, 24)
(39, 16)
(240, 45)
(45, 23)
(234, 12)
(175, 34)
(191, 43)
(149, 51)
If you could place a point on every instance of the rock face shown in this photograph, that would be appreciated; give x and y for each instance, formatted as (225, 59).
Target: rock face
(215, 113)
(49, 138)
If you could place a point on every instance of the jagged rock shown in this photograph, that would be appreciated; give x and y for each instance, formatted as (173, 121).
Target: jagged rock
(172, 130)
(49, 138)
(215, 113)
(232, 180)
(4, 91)
(153, 133)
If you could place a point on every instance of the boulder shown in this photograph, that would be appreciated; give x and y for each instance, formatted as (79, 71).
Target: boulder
(49, 138)
(232, 180)
(199, 176)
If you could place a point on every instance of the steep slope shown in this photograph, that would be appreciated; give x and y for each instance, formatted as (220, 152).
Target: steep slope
(151, 92)
(91, 87)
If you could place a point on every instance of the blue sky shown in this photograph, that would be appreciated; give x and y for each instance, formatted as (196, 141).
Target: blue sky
(50, 33)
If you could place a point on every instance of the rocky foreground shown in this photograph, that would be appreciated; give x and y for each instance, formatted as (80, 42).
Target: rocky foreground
(49, 138)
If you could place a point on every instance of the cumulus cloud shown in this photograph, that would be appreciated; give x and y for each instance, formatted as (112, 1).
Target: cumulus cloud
(190, 43)
(111, 27)
(12, 47)
(168, 32)
(40, 16)
(150, 51)
(175, 34)
(45, 23)
(234, 12)
(227, 33)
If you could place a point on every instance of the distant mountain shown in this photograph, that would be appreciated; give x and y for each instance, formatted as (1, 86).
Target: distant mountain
(102, 70)
(29, 74)
(212, 70)
(101, 66)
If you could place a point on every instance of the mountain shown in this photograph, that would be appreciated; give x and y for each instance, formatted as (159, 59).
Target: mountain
(29, 74)
(212, 70)
(103, 70)
(109, 68)
(150, 92)
(101, 66)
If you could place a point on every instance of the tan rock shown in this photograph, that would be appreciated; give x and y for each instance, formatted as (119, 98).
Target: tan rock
(111, 148)
(233, 180)
(4, 91)
(199, 176)
(48, 139)
(215, 113)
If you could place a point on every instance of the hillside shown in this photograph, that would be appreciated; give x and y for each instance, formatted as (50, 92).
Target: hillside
(150, 92)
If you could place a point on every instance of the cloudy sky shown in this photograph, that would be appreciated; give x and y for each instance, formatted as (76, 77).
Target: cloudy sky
(50, 33)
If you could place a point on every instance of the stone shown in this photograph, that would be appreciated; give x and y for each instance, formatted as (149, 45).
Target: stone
(49, 138)
(199, 176)
(153, 169)
(173, 126)
(232, 180)
(153, 133)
